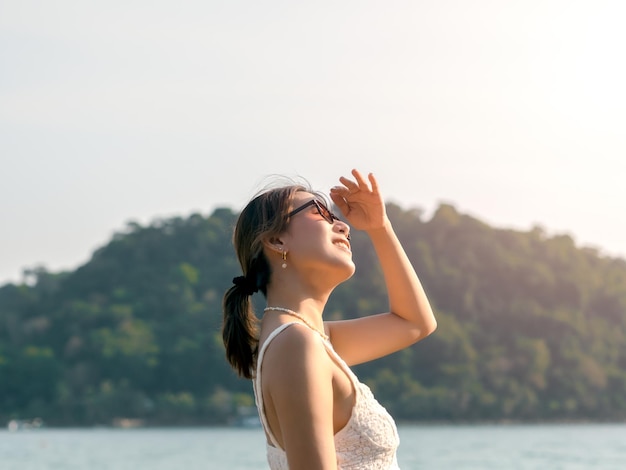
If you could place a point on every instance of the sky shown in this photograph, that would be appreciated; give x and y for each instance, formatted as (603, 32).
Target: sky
(116, 111)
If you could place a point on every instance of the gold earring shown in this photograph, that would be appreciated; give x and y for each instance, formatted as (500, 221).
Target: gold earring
(284, 265)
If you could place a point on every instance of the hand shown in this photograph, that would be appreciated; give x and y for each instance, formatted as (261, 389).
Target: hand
(359, 202)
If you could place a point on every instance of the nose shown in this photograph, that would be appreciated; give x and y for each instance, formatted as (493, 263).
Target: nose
(343, 228)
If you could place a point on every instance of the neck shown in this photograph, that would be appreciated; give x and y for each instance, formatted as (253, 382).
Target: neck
(294, 289)
(307, 303)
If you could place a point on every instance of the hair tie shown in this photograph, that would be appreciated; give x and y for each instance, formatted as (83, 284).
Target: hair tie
(246, 284)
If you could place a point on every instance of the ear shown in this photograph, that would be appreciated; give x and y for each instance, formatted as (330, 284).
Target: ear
(274, 244)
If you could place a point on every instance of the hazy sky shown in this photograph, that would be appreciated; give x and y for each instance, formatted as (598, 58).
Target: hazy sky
(113, 111)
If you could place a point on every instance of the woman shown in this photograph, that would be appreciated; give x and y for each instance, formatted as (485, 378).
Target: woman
(315, 412)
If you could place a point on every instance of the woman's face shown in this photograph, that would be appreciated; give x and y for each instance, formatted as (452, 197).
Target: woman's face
(314, 245)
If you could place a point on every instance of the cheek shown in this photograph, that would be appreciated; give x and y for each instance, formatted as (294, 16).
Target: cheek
(309, 238)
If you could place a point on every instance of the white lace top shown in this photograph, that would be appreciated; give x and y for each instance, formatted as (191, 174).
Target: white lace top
(368, 441)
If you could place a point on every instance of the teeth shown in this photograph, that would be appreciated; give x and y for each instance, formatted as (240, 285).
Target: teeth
(343, 244)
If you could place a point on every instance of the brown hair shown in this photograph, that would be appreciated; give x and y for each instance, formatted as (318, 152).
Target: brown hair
(264, 217)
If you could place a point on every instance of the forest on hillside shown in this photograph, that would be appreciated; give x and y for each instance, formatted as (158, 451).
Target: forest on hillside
(531, 327)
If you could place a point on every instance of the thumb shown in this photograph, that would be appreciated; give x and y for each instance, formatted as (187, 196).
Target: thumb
(336, 194)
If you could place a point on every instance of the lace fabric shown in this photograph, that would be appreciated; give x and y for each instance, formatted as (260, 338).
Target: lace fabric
(367, 442)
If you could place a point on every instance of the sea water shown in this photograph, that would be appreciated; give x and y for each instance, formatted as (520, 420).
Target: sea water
(441, 447)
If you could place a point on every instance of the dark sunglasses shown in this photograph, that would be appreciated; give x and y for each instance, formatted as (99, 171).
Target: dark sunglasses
(321, 208)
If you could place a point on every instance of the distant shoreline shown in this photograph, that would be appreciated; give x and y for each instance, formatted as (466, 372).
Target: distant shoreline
(400, 424)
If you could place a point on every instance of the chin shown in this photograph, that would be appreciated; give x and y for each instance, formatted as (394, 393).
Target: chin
(339, 272)
(349, 270)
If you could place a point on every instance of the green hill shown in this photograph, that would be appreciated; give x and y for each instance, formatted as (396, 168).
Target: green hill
(531, 327)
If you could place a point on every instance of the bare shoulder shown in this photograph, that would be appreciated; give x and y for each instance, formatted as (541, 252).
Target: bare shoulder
(296, 353)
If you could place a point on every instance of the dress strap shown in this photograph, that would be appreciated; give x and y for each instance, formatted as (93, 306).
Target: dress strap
(258, 391)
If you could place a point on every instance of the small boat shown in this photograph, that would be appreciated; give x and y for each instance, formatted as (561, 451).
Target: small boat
(128, 423)
(248, 422)
(24, 424)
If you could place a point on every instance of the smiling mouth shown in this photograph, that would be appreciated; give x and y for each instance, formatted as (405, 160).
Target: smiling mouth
(344, 245)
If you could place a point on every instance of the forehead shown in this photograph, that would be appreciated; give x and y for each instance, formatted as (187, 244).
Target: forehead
(302, 197)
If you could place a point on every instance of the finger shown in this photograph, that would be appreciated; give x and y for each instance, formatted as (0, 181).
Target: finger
(360, 180)
(341, 191)
(373, 182)
(351, 185)
(339, 201)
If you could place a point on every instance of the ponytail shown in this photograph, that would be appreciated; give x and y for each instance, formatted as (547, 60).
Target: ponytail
(240, 330)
